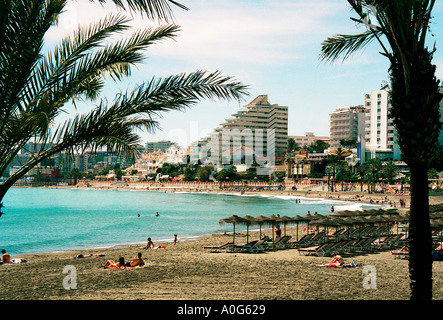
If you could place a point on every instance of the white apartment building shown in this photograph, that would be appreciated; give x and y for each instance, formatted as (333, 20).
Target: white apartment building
(259, 128)
(175, 155)
(345, 124)
(379, 137)
(308, 139)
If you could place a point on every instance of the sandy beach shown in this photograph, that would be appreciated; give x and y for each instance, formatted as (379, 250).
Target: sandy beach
(184, 271)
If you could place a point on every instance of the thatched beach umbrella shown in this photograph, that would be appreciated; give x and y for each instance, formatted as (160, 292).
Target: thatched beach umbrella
(371, 212)
(325, 222)
(436, 214)
(234, 219)
(297, 219)
(249, 221)
(392, 211)
(344, 213)
(285, 220)
(261, 220)
(437, 224)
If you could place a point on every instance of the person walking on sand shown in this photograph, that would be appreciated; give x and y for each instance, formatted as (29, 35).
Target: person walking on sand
(175, 239)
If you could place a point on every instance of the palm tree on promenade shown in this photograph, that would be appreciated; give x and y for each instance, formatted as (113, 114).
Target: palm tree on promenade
(36, 86)
(401, 28)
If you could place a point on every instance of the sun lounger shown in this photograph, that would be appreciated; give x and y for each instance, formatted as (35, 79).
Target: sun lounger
(221, 248)
(321, 250)
(316, 239)
(257, 246)
(336, 234)
(341, 246)
(242, 246)
(363, 244)
(382, 242)
(302, 242)
(282, 243)
(312, 250)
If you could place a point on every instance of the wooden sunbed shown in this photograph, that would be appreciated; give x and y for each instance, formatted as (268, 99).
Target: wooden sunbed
(220, 248)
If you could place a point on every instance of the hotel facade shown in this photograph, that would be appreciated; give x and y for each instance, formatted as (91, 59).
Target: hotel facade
(259, 130)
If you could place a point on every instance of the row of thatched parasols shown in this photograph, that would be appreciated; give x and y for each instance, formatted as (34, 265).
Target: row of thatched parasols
(337, 219)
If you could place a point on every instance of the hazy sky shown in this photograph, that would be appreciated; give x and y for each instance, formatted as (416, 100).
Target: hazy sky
(273, 46)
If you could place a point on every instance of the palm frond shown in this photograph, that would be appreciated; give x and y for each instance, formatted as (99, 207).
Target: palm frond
(178, 92)
(21, 40)
(345, 45)
(51, 73)
(113, 127)
(154, 9)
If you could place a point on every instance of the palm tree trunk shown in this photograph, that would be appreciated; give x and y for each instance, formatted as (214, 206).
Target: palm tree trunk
(420, 245)
(4, 187)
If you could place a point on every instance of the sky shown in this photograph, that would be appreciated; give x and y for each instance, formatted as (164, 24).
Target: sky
(271, 46)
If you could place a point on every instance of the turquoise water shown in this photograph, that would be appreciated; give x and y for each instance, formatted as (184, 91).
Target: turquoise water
(48, 220)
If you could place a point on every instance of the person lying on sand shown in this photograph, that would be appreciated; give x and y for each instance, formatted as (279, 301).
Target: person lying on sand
(6, 258)
(115, 265)
(337, 262)
(80, 255)
(136, 261)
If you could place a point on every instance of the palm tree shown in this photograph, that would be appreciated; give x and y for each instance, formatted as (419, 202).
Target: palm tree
(332, 161)
(373, 173)
(401, 29)
(35, 86)
(390, 171)
(361, 169)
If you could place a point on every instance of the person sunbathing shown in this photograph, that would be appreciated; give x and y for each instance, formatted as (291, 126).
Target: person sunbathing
(6, 258)
(112, 264)
(402, 251)
(336, 262)
(136, 261)
(91, 255)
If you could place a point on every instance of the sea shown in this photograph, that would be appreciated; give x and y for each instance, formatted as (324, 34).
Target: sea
(38, 220)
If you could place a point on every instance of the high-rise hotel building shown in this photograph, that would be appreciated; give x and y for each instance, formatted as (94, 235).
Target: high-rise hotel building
(259, 128)
(379, 138)
(370, 125)
(345, 124)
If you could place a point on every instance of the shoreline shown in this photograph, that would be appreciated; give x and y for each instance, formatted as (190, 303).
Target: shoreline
(184, 271)
(343, 197)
